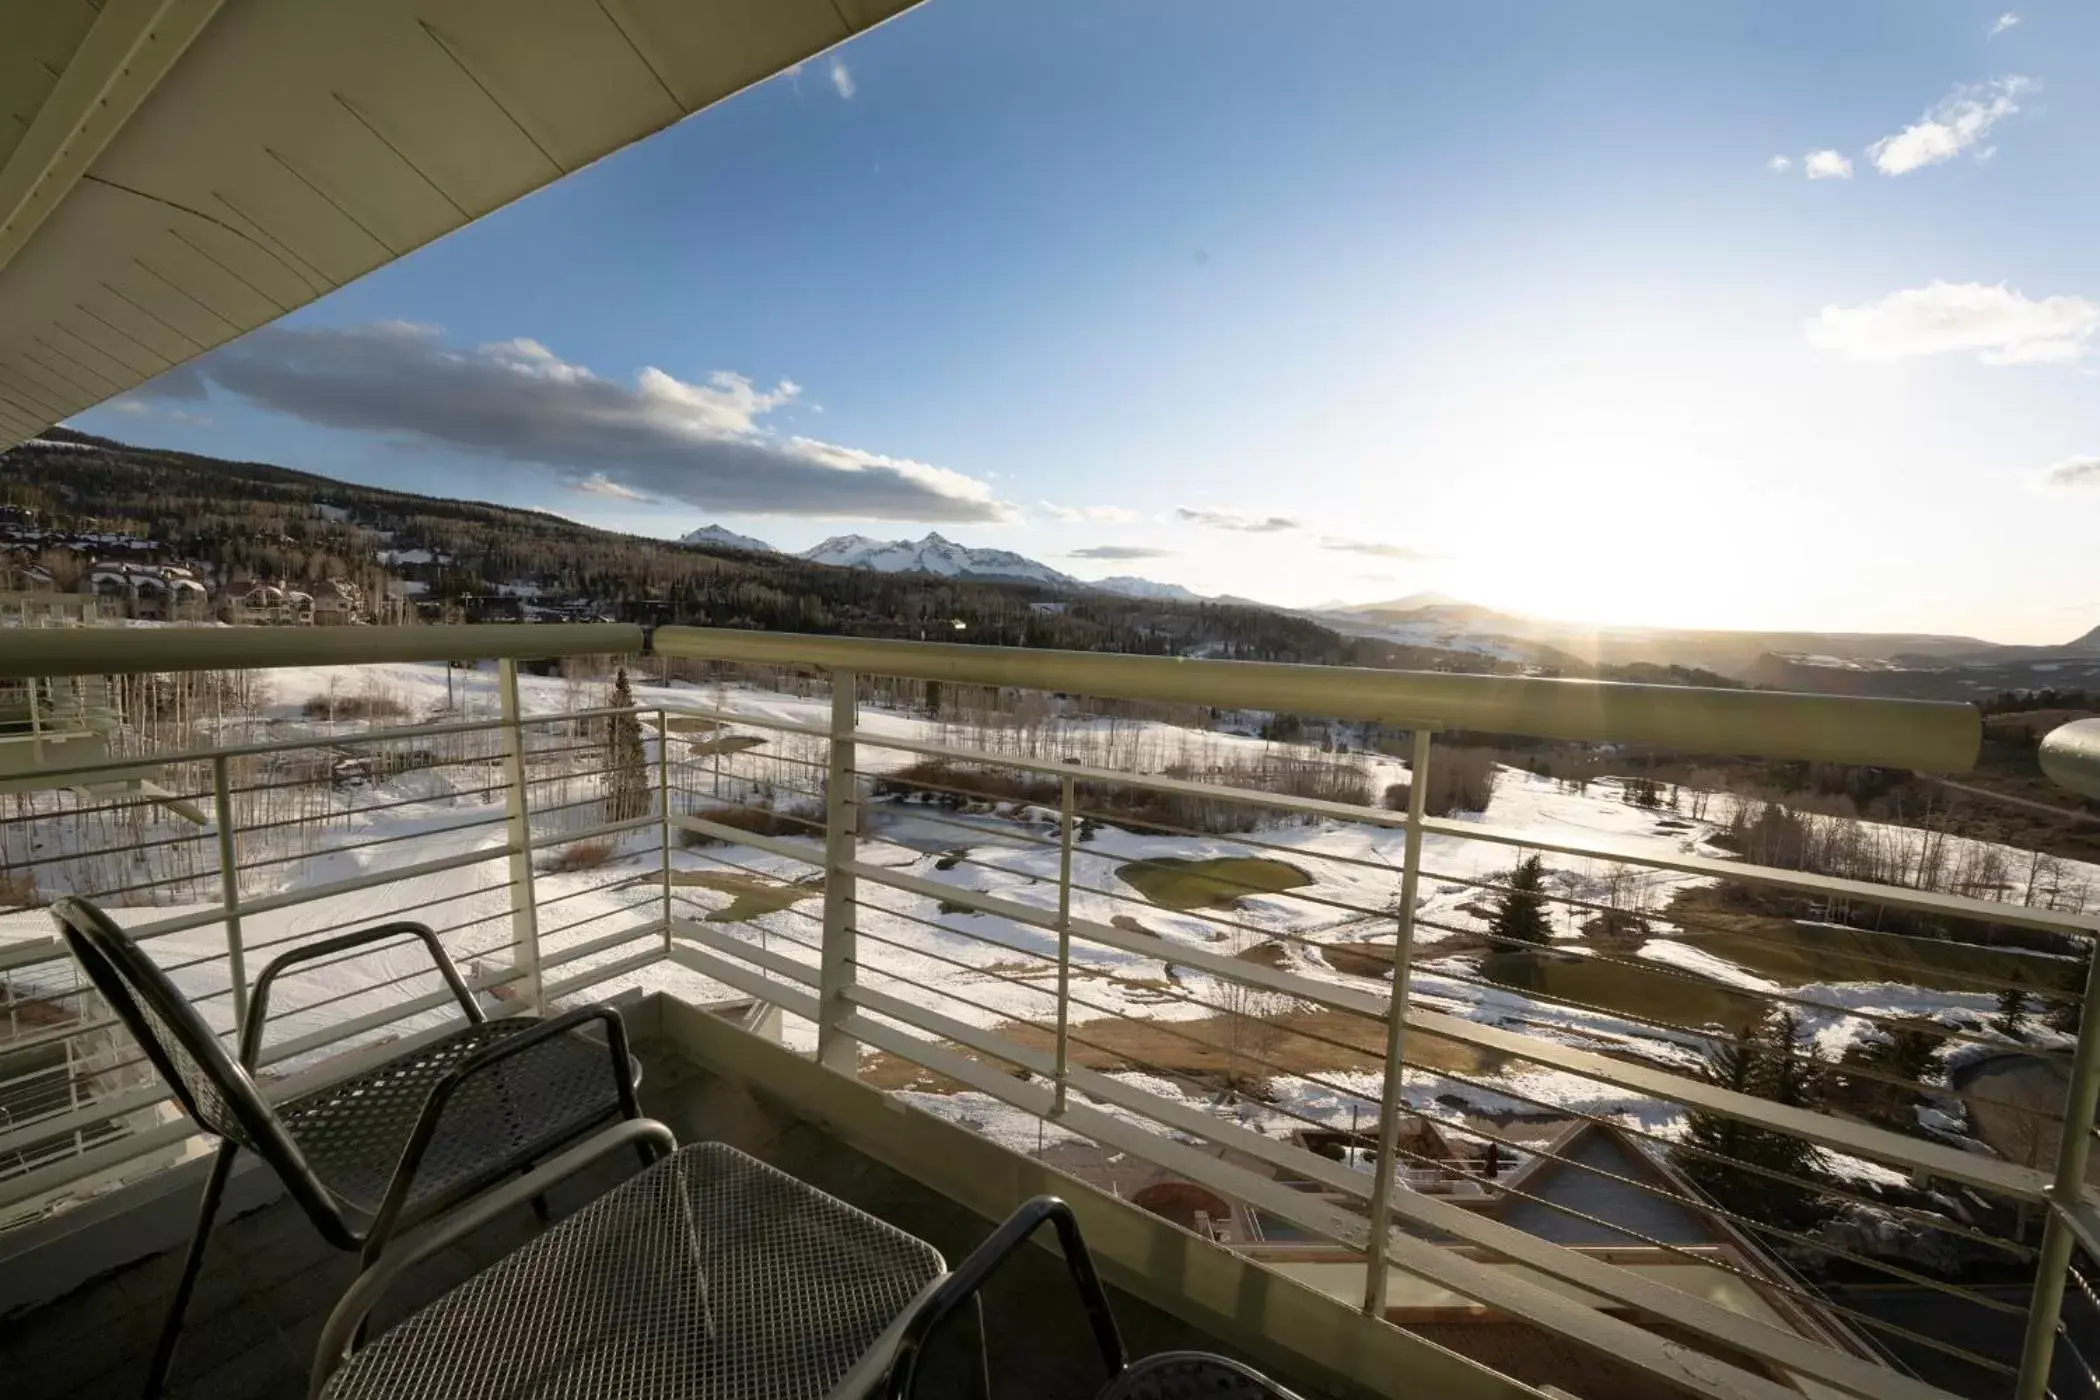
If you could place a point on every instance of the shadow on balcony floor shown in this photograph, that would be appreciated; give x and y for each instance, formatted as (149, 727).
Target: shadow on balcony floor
(270, 1281)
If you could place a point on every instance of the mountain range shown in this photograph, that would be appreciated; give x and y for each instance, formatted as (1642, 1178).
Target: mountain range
(936, 554)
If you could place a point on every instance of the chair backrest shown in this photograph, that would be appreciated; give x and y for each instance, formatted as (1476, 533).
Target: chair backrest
(209, 1083)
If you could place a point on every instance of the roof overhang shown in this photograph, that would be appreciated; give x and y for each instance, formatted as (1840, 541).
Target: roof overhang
(174, 173)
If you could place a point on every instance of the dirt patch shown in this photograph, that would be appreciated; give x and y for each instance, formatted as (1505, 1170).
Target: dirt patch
(728, 743)
(1269, 954)
(1130, 925)
(1360, 959)
(1201, 1051)
(759, 821)
(753, 896)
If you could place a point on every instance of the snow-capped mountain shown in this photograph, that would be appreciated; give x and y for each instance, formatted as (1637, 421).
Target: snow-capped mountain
(1130, 586)
(726, 539)
(933, 555)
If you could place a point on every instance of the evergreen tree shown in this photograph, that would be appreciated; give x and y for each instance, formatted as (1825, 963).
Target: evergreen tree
(1520, 912)
(1741, 1165)
(2011, 1019)
(1900, 1058)
(626, 765)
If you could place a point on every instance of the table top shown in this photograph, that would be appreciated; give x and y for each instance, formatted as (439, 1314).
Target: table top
(708, 1276)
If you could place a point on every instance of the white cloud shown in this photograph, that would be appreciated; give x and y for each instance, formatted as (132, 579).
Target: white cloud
(1827, 165)
(2002, 326)
(1375, 549)
(599, 484)
(2073, 474)
(706, 444)
(1779, 165)
(1089, 515)
(1963, 118)
(1233, 520)
(2005, 21)
(842, 79)
(1121, 551)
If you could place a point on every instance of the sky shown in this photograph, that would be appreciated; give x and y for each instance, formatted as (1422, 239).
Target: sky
(1744, 315)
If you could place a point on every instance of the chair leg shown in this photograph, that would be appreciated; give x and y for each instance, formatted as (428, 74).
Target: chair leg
(171, 1330)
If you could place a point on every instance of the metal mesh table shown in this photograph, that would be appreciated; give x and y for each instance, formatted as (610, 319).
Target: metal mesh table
(709, 1275)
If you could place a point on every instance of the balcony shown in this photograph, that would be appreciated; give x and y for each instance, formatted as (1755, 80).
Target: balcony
(938, 928)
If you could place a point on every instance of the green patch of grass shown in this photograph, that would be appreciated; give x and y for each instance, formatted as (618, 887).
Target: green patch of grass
(1674, 998)
(752, 896)
(1797, 956)
(1219, 883)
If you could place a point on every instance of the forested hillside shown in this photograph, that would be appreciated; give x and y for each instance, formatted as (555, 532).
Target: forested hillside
(272, 522)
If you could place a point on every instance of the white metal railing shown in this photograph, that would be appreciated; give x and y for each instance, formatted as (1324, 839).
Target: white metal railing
(444, 822)
(855, 865)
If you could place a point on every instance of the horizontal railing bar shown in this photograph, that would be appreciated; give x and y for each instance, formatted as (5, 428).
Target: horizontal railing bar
(1697, 925)
(1842, 1135)
(779, 726)
(115, 1106)
(116, 1152)
(693, 931)
(1892, 896)
(138, 1144)
(1345, 1092)
(648, 928)
(1987, 911)
(379, 1016)
(2082, 1218)
(1924, 735)
(591, 977)
(1683, 1367)
(288, 899)
(589, 833)
(745, 980)
(269, 746)
(365, 844)
(729, 835)
(1180, 787)
(1623, 1286)
(104, 651)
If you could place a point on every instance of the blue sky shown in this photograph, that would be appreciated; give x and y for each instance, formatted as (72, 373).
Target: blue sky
(1505, 300)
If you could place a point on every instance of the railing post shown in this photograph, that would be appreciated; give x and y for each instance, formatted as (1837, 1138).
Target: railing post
(2053, 1264)
(524, 905)
(835, 1049)
(663, 811)
(1395, 1025)
(230, 888)
(1064, 937)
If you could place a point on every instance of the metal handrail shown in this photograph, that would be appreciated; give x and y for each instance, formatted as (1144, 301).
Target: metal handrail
(1929, 736)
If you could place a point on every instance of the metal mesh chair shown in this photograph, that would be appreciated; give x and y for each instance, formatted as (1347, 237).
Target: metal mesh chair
(1191, 1375)
(1169, 1375)
(387, 1148)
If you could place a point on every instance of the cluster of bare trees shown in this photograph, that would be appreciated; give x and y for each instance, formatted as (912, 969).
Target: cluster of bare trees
(1768, 833)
